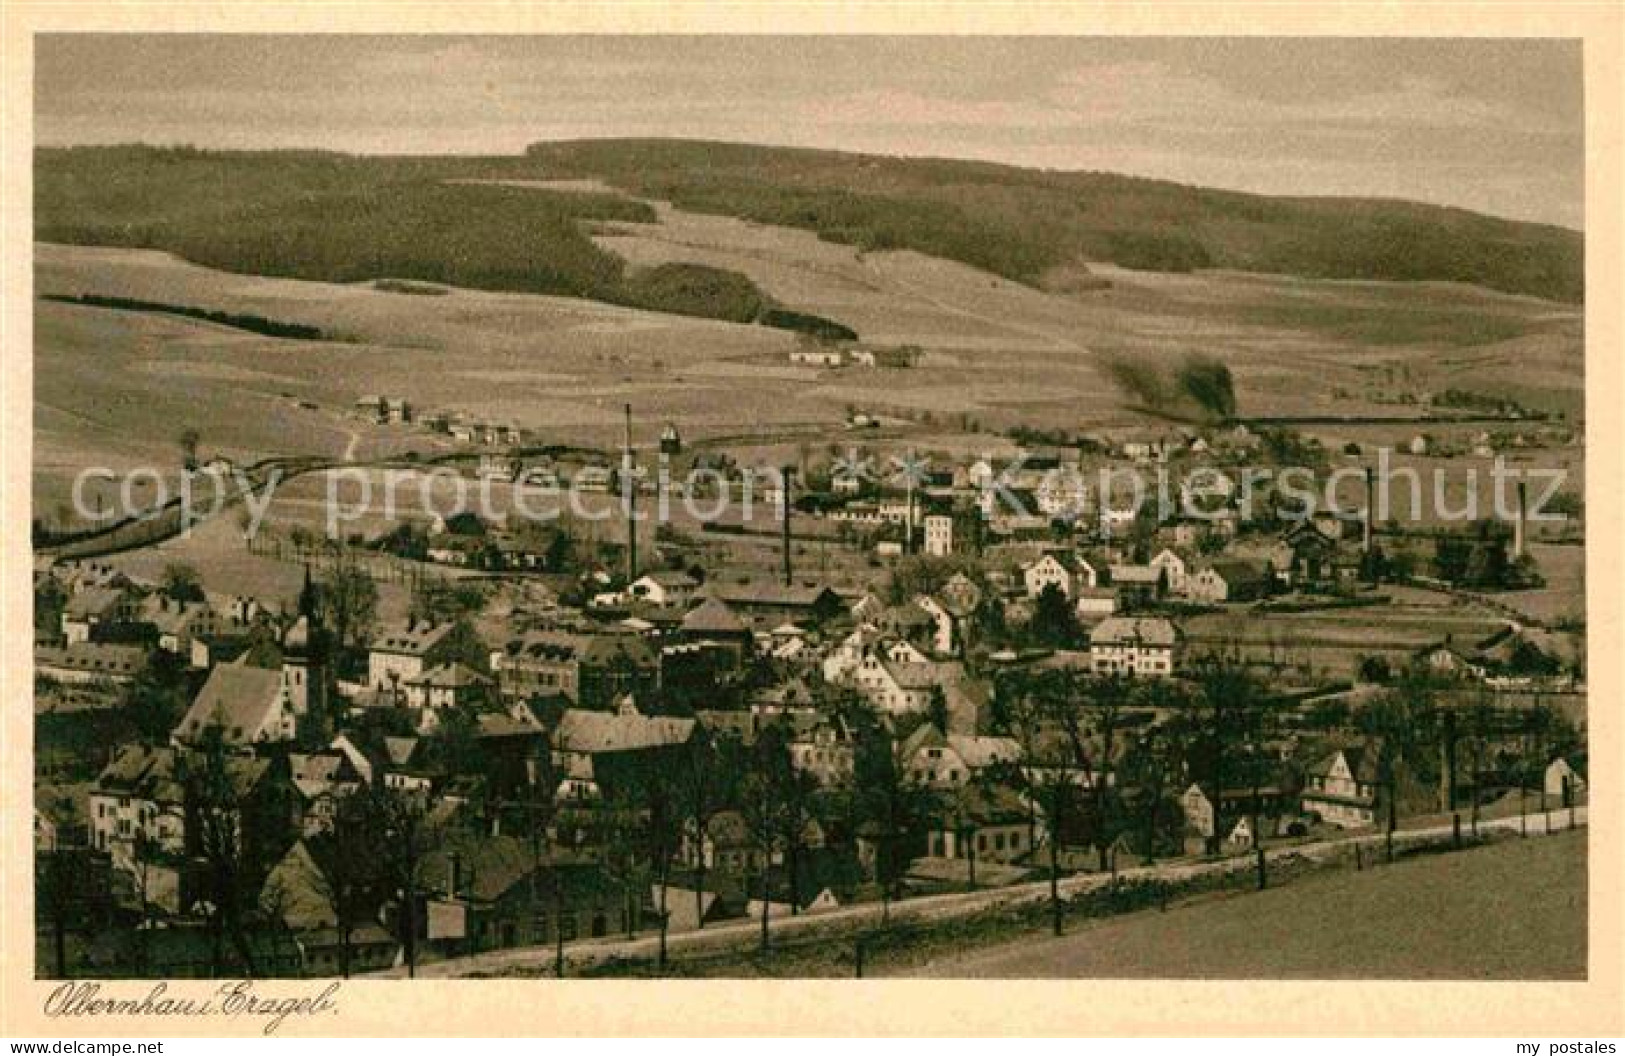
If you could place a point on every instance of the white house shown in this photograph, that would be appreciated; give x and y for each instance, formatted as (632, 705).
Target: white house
(401, 655)
(1342, 788)
(817, 357)
(1174, 568)
(665, 588)
(939, 535)
(951, 760)
(1129, 645)
(1093, 603)
(1047, 571)
(1563, 781)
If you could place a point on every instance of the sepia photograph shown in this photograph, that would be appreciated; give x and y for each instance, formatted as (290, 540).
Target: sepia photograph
(612, 507)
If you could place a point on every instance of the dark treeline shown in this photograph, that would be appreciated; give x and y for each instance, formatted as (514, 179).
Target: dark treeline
(254, 323)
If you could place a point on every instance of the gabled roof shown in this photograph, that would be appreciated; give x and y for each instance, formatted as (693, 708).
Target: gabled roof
(1235, 572)
(171, 617)
(908, 614)
(668, 578)
(93, 601)
(981, 752)
(925, 735)
(455, 675)
(1362, 763)
(319, 767)
(488, 866)
(499, 724)
(601, 731)
(600, 650)
(398, 751)
(237, 698)
(761, 592)
(1135, 630)
(416, 641)
(995, 805)
(713, 617)
(156, 774)
(1131, 574)
(106, 658)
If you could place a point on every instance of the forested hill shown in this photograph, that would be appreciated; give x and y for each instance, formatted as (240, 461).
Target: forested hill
(345, 218)
(1021, 223)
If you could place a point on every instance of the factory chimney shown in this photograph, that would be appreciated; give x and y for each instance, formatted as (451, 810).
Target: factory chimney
(784, 518)
(1370, 500)
(629, 487)
(1518, 527)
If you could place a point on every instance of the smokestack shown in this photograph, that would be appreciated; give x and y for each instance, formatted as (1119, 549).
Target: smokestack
(908, 519)
(1518, 529)
(784, 519)
(631, 488)
(1370, 498)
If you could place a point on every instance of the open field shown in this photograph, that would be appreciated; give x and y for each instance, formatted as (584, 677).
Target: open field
(114, 379)
(115, 387)
(1513, 910)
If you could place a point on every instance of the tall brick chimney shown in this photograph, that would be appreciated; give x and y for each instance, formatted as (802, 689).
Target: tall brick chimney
(1370, 500)
(1518, 527)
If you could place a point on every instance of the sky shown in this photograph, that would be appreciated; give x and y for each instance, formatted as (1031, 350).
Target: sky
(1490, 125)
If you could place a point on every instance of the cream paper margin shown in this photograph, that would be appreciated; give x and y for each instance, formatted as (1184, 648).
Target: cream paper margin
(1532, 1010)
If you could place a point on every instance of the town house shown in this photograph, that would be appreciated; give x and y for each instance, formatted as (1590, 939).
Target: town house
(1129, 645)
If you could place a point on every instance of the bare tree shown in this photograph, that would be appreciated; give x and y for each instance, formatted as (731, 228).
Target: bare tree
(351, 873)
(894, 804)
(348, 599)
(408, 837)
(698, 794)
(762, 805)
(215, 833)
